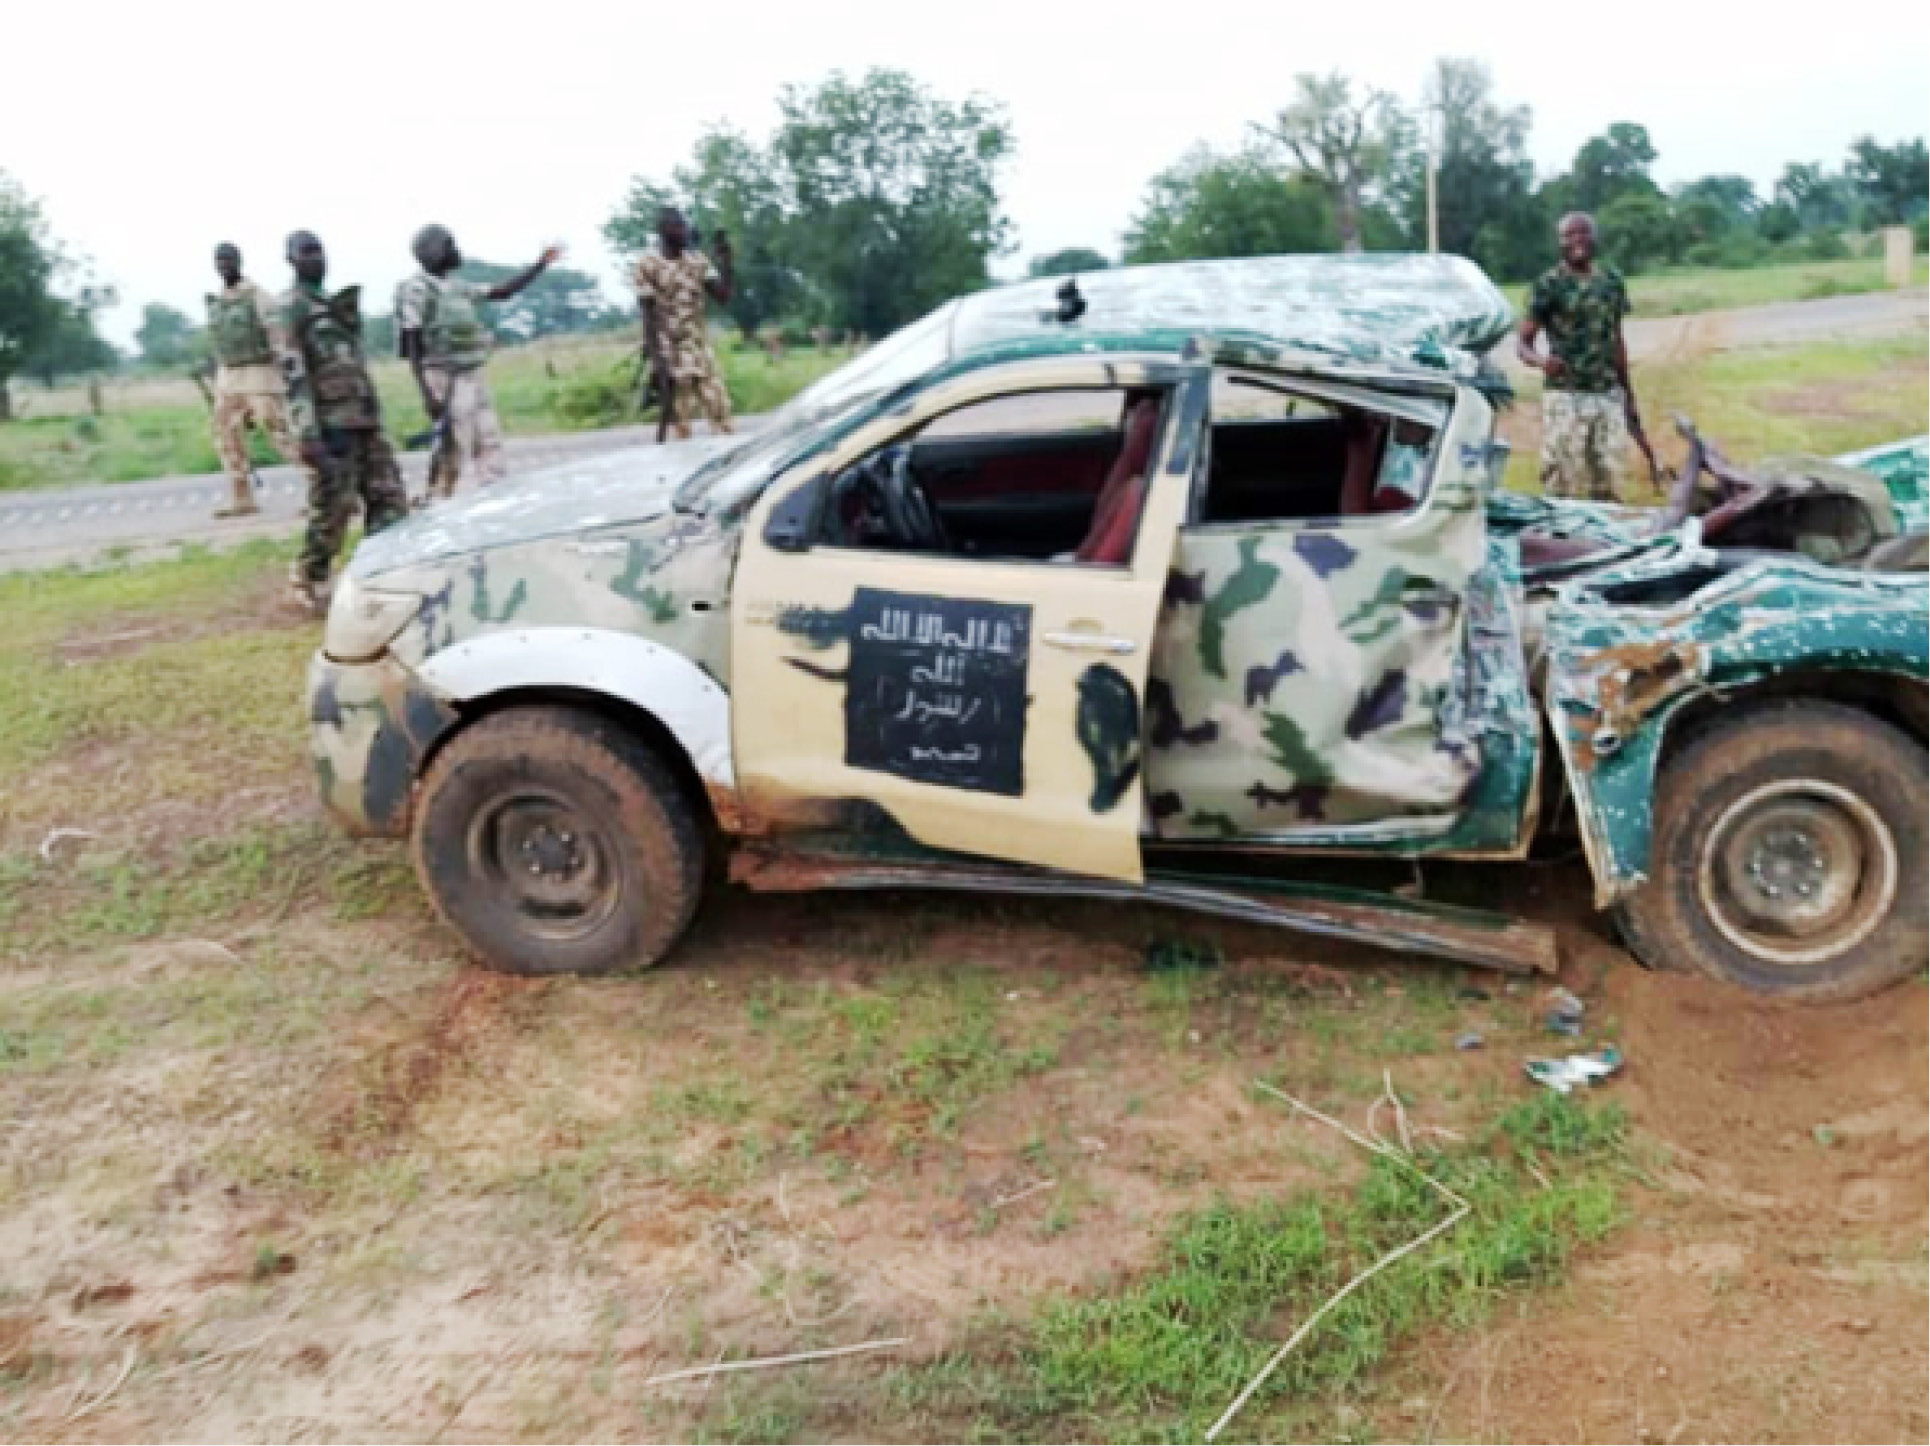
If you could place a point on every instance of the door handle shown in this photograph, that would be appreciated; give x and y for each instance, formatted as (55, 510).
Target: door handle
(1084, 642)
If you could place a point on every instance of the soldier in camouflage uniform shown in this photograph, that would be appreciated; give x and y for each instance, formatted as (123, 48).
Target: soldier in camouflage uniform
(440, 329)
(333, 405)
(247, 385)
(672, 283)
(1588, 411)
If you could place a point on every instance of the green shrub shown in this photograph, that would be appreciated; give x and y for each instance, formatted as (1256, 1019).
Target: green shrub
(602, 397)
(1824, 246)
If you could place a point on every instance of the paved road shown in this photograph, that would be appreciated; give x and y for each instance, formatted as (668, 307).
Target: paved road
(42, 528)
(1786, 323)
(58, 525)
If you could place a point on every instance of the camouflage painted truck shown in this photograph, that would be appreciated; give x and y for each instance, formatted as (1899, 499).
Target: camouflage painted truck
(1155, 587)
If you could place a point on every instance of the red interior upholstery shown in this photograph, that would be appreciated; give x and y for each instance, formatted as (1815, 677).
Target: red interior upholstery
(1116, 516)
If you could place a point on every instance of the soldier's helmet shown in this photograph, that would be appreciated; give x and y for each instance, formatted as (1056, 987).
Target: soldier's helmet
(430, 243)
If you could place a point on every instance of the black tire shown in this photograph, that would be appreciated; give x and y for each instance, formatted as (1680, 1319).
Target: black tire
(1790, 855)
(554, 842)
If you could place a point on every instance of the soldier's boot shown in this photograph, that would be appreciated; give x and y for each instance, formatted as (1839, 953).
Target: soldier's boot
(234, 461)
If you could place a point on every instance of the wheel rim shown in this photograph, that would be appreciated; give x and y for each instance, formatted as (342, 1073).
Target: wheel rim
(547, 862)
(1798, 872)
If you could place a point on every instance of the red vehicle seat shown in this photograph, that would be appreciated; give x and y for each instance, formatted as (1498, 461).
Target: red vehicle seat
(1115, 518)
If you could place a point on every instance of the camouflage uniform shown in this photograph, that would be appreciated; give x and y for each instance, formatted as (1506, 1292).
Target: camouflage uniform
(247, 387)
(331, 400)
(677, 287)
(1584, 430)
(446, 313)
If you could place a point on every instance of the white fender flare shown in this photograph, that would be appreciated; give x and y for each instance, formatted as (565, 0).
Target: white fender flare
(646, 675)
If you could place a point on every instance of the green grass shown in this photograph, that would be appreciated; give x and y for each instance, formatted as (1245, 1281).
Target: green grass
(1159, 1356)
(39, 606)
(562, 387)
(119, 897)
(1682, 291)
(164, 671)
(1825, 398)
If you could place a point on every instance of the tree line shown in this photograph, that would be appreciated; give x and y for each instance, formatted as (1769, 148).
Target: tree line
(874, 198)
(1342, 167)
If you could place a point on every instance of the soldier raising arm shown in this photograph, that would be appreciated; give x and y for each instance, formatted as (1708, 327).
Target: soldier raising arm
(672, 283)
(439, 328)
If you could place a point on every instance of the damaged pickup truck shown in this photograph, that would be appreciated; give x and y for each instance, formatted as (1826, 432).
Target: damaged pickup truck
(1155, 586)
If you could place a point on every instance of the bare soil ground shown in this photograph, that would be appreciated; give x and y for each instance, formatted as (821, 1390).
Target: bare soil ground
(339, 1185)
(1772, 1285)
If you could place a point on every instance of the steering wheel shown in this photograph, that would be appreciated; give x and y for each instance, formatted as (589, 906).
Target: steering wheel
(881, 503)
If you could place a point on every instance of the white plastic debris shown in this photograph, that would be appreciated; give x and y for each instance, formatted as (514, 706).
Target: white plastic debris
(1564, 1074)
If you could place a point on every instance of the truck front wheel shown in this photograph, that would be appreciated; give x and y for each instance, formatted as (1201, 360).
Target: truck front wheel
(555, 842)
(1789, 855)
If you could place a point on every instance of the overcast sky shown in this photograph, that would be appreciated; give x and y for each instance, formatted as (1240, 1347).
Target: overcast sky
(153, 130)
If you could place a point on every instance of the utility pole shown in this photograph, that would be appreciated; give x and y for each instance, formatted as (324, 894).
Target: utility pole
(1433, 177)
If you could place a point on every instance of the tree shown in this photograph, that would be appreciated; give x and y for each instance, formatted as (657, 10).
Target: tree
(29, 261)
(558, 301)
(378, 333)
(1240, 205)
(1637, 230)
(1353, 146)
(74, 345)
(1778, 222)
(1484, 182)
(874, 201)
(1714, 206)
(1070, 261)
(892, 193)
(1893, 182)
(1609, 166)
(166, 337)
(1821, 201)
(734, 185)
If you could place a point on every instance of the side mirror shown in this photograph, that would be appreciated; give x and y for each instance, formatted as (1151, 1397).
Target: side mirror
(793, 523)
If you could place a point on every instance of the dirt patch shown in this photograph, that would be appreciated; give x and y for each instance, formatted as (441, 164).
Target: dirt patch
(1822, 399)
(1773, 1286)
(258, 606)
(395, 1064)
(99, 793)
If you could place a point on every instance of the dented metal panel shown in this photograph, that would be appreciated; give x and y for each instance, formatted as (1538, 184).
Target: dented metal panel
(370, 727)
(1436, 311)
(1310, 678)
(1628, 647)
(1904, 468)
(1356, 916)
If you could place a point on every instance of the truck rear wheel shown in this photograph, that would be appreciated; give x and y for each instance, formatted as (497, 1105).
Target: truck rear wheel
(554, 842)
(1789, 855)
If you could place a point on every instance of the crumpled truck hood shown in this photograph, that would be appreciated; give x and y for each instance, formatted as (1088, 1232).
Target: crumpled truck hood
(631, 485)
